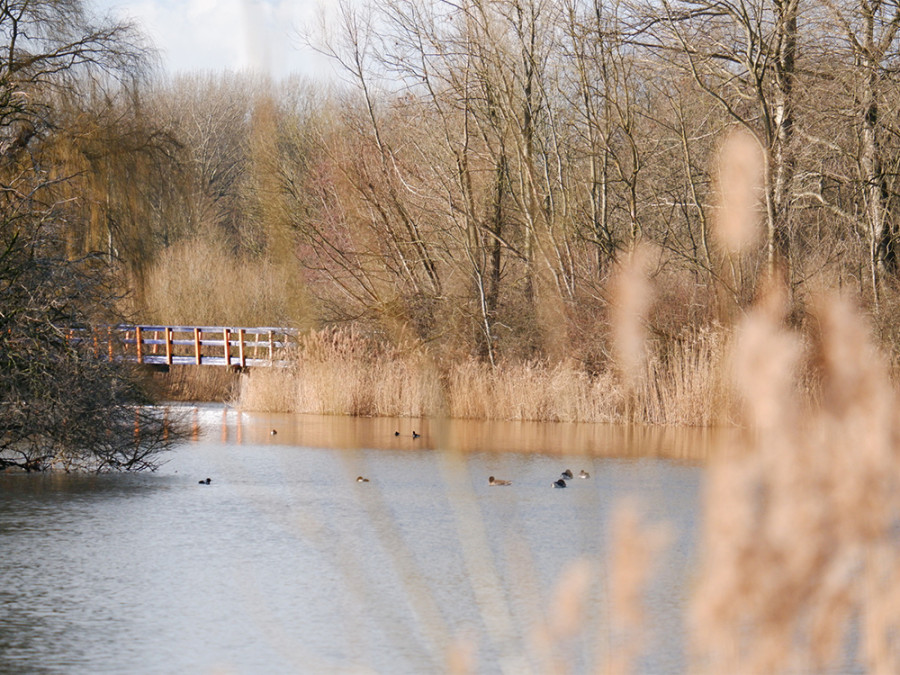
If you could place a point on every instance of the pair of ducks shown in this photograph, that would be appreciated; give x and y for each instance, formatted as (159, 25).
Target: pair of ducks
(558, 483)
(567, 475)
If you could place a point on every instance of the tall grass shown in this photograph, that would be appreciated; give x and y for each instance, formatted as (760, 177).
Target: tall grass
(688, 383)
(530, 391)
(196, 383)
(338, 372)
(341, 373)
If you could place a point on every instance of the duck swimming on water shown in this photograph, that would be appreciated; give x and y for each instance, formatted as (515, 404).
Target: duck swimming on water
(559, 483)
(495, 481)
(567, 474)
(205, 482)
(360, 479)
(584, 474)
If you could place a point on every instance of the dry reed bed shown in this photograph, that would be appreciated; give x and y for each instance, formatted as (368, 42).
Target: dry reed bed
(196, 383)
(342, 373)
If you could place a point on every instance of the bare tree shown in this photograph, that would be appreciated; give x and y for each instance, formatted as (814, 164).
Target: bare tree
(743, 55)
(870, 31)
(60, 405)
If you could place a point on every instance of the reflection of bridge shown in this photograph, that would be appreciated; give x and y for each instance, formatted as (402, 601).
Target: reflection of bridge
(195, 345)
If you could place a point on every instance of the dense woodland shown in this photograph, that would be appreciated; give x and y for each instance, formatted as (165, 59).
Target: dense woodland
(471, 182)
(480, 168)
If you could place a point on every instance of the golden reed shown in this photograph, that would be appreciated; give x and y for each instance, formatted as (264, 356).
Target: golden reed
(340, 372)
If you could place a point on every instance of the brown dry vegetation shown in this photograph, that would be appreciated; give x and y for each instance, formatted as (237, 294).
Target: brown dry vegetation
(344, 373)
(464, 227)
(250, 292)
(195, 383)
(528, 231)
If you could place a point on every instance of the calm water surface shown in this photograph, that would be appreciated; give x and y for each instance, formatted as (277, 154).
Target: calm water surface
(286, 564)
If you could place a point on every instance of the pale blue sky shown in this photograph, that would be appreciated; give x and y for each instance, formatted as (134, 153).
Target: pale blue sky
(227, 34)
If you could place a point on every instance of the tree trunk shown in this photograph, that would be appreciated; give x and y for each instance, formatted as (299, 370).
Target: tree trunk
(782, 159)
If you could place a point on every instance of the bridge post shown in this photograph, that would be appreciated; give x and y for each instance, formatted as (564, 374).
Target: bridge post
(226, 334)
(138, 338)
(241, 354)
(168, 345)
(197, 345)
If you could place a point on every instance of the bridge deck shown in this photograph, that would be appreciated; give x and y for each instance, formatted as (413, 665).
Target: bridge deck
(224, 346)
(234, 361)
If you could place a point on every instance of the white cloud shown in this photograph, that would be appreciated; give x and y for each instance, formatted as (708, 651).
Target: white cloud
(216, 35)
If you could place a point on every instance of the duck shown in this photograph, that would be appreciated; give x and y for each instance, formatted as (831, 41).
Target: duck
(567, 474)
(396, 433)
(584, 474)
(205, 482)
(559, 483)
(415, 435)
(495, 481)
(273, 432)
(360, 479)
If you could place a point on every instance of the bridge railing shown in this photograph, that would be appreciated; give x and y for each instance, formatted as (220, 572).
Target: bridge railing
(230, 346)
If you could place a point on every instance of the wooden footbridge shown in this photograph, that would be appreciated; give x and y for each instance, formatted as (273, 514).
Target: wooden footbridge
(163, 346)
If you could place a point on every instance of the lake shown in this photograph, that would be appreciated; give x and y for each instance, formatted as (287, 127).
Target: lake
(285, 563)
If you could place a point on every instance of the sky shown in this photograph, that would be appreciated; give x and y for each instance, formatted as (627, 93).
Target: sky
(237, 35)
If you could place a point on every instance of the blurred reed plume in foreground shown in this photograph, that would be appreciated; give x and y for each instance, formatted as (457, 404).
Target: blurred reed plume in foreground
(800, 552)
(634, 547)
(800, 560)
(632, 297)
(739, 177)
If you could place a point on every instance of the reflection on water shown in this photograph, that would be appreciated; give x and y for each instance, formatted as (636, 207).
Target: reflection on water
(284, 563)
(589, 440)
